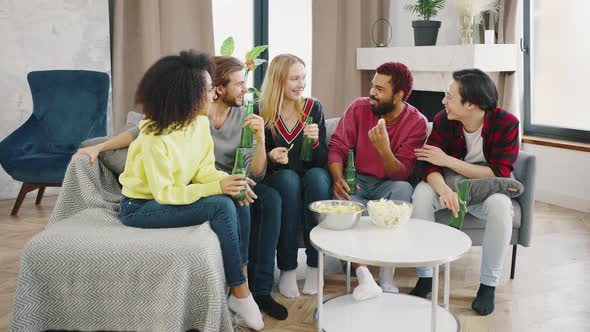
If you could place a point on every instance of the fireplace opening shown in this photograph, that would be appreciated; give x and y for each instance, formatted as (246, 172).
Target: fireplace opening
(428, 103)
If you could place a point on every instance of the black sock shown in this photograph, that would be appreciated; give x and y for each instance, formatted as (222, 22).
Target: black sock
(423, 287)
(274, 309)
(484, 301)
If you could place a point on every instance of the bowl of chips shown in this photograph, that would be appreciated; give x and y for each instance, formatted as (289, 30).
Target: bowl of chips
(335, 214)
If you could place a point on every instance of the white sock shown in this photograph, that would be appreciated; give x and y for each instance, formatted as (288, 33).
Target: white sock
(288, 284)
(386, 280)
(367, 288)
(311, 281)
(247, 310)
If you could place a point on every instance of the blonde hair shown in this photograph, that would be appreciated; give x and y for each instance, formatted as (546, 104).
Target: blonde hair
(273, 89)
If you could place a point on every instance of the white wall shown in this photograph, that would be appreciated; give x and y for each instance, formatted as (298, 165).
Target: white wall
(40, 35)
(563, 177)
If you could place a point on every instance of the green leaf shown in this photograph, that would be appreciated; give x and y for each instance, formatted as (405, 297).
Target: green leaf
(426, 8)
(227, 47)
(255, 52)
(254, 91)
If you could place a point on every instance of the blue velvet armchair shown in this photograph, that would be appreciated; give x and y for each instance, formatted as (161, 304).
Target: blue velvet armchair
(69, 106)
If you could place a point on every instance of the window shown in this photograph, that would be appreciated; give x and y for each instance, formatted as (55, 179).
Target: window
(556, 69)
(284, 25)
(234, 19)
(289, 31)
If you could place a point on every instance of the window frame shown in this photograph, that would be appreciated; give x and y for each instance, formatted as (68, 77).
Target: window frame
(261, 38)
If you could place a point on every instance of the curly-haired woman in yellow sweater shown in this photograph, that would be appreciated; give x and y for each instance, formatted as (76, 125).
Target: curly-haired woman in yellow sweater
(170, 178)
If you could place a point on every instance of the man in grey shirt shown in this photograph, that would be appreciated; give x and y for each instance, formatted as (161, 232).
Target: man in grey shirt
(227, 118)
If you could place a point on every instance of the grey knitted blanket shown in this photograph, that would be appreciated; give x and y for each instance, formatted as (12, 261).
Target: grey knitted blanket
(87, 271)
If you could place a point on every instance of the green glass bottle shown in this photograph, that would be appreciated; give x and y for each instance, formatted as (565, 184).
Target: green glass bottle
(247, 132)
(307, 145)
(350, 173)
(239, 168)
(458, 222)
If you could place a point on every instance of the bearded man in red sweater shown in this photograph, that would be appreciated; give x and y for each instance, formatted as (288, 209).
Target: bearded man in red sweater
(384, 152)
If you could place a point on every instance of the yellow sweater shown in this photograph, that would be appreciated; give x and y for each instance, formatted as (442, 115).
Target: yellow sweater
(163, 167)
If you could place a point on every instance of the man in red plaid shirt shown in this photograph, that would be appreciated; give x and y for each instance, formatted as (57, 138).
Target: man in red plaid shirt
(471, 130)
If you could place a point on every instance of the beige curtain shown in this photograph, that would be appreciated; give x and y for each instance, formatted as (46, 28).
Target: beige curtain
(339, 28)
(508, 24)
(144, 31)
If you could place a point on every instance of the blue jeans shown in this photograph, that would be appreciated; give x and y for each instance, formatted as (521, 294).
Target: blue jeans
(372, 188)
(296, 194)
(219, 210)
(266, 226)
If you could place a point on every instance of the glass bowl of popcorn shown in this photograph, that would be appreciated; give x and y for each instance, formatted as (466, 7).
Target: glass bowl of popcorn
(389, 213)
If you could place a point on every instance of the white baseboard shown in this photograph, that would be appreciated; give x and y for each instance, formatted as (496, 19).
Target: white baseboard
(563, 200)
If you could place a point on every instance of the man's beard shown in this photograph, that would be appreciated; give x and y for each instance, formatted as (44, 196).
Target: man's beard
(231, 102)
(382, 108)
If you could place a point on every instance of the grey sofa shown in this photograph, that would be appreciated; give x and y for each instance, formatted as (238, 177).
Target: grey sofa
(524, 171)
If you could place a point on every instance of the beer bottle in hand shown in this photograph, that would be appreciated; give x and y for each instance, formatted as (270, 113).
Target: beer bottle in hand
(239, 168)
(307, 145)
(350, 173)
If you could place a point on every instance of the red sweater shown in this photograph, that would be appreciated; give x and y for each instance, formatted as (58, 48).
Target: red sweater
(405, 135)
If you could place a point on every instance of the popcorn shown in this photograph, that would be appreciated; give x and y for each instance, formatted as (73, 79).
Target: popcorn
(381, 122)
(388, 213)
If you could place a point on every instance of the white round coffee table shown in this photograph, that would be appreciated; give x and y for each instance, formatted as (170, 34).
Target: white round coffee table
(419, 243)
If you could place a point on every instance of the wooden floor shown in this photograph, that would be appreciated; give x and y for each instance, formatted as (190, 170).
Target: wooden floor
(551, 291)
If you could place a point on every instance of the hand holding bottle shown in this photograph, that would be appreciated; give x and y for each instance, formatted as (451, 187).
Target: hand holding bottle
(312, 131)
(310, 134)
(257, 124)
(250, 195)
(341, 189)
(233, 184)
(461, 200)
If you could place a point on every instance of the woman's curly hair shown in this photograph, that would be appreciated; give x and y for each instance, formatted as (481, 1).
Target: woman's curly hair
(173, 90)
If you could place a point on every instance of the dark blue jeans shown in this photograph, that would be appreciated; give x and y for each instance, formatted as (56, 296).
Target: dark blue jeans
(220, 210)
(266, 226)
(296, 194)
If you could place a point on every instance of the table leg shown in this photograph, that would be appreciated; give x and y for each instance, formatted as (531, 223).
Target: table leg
(320, 289)
(434, 298)
(447, 284)
(347, 277)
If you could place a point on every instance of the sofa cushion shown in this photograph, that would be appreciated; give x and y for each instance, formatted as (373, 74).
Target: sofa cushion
(480, 189)
(330, 128)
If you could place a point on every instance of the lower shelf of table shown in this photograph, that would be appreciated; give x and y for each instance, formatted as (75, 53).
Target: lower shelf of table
(388, 312)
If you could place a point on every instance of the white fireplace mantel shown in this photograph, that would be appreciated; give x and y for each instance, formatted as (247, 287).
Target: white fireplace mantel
(432, 66)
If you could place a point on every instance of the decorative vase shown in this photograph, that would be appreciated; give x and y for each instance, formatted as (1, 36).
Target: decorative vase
(466, 29)
(477, 34)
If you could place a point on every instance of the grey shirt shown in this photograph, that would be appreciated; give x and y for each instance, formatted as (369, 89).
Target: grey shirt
(133, 120)
(227, 139)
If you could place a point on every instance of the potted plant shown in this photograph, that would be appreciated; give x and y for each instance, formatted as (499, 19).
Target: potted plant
(252, 60)
(425, 30)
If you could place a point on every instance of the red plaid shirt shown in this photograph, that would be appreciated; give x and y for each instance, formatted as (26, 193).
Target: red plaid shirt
(500, 140)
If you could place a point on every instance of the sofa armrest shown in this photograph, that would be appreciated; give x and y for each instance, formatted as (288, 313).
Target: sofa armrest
(525, 171)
